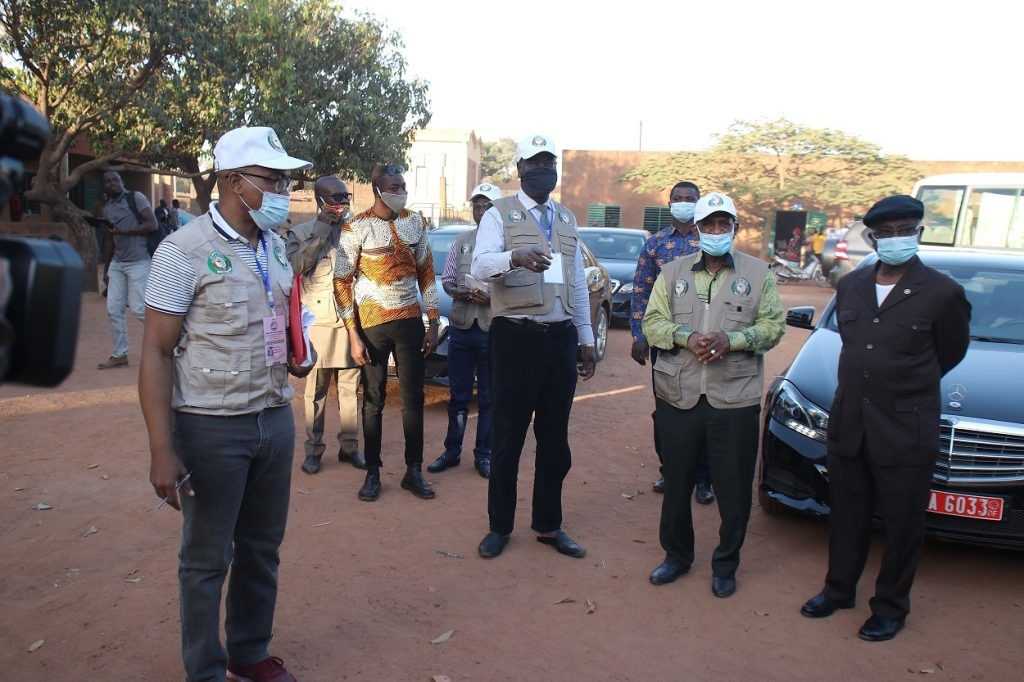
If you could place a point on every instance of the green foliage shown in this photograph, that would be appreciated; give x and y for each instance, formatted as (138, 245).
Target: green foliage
(768, 166)
(497, 159)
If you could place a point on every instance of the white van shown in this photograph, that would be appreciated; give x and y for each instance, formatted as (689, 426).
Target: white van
(981, 210)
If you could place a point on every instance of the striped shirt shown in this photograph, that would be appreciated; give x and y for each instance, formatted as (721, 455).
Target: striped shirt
(450, 266)
(382, 268)
(172, 279)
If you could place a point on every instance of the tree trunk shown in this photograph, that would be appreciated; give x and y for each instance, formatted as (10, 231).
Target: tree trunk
(203, 184)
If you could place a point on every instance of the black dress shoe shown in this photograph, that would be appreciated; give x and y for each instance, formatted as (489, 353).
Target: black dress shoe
(445, 461)
(821, 606)
(483, 466)
(311, 465)
(371, 486)
(492, 545)
(659, 486)
(723, 586)
(668, 571)
(357, 458)
(564, 544)
(704, 494)
(879, 629)
(413, 482)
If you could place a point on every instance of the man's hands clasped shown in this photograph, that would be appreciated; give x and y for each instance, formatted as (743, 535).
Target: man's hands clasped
(708, 347)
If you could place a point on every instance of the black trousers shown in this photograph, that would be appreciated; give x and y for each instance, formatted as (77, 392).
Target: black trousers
(703, 471)
(858, 488)
(404, 339)
(534, 377)
(729, 440)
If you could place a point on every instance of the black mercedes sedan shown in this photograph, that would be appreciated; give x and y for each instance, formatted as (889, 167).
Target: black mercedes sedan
(978, 483)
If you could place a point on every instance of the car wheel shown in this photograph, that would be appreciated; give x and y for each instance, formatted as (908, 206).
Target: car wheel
(601, 333)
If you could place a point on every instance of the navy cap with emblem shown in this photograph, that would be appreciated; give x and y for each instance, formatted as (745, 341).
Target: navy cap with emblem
(896, 207)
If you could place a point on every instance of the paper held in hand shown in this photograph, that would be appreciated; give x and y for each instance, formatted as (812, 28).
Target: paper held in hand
(553, 275)
(473, 284)
(308, 318)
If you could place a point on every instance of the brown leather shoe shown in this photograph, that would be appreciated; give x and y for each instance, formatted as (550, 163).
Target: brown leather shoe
(268, 670)
(114, 361)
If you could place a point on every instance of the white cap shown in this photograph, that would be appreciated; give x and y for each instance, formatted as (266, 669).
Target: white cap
(257, 146)
(486, 189)
(713, 203)
(532, 145)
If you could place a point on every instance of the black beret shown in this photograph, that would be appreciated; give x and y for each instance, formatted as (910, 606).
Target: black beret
(896, 207)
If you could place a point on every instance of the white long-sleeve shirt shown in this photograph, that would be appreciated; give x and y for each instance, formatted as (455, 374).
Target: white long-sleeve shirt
(491, 260)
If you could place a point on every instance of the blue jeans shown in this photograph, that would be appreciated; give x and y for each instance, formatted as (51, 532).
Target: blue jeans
(126, 289)
(469, 358)
(241, 473)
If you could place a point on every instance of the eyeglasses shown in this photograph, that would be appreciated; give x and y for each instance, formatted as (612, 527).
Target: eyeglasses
(339, 198)
(282, 183)
(895, 231)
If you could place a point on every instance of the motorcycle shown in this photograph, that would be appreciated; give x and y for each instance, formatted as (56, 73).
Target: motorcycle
(790, 271)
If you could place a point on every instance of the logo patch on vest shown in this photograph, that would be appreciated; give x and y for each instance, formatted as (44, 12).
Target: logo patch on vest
(279, 255)
(465, 248)
(218, 263)
(564, 217)
(681, 286)
(516, 216)
(740, 286)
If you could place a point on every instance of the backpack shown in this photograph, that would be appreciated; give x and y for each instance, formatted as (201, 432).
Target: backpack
(154, 238)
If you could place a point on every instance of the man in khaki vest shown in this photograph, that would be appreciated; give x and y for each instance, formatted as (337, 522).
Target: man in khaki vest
(528, 249)
(712, 315)
(468, 344)
(312, 248)
(214, 391)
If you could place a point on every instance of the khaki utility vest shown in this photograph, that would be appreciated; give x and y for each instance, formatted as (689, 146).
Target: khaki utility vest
(734, 381)
(220, 365)
(464, 314)
(522, 292)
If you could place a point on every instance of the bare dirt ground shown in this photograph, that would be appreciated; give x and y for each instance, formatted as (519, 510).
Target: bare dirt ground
(366, 587)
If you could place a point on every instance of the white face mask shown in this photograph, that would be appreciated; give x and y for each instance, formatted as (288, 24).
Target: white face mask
(396, 202)
(683, 210)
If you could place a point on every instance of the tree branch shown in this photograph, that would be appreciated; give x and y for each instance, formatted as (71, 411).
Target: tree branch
(75, 176)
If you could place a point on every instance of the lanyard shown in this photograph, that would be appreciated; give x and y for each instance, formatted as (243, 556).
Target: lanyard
(265, 274)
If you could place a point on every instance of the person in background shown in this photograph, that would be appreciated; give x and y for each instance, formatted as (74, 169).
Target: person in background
(818, 245)
(903, 326)
(677, 240)
(384, 266)
(183, 215)
(468, 344)
(713, 315)
(130, 219)
(312, 250)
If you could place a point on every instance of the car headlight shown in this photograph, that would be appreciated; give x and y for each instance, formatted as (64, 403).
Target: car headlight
(626, 288)
(796, 412)
(614, 284)
(442, 324)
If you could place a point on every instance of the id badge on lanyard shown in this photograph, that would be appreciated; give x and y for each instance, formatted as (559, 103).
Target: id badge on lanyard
(275, 326)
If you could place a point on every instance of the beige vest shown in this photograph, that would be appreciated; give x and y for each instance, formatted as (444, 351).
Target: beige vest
(464, 314)
(522, 292)
(219, 362)
(734, 381)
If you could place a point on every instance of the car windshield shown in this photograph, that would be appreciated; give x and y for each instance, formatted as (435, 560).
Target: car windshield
(614, 245)
(995, 295)
(439, 245)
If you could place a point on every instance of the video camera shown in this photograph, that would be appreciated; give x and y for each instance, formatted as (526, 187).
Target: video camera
(40, 279)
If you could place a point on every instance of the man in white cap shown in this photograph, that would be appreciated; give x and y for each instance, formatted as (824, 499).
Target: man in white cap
(214, 391)
(468, 344)
(712, 315)
(528, 249)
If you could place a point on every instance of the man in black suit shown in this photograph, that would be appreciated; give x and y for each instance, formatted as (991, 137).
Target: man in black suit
(903, 325)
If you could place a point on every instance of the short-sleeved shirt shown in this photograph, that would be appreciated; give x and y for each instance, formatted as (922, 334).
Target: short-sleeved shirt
(127, 248)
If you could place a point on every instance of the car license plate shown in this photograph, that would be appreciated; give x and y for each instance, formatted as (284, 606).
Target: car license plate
(969, 506)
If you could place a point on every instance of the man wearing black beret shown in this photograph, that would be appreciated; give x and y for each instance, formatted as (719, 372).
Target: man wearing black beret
(903, 326)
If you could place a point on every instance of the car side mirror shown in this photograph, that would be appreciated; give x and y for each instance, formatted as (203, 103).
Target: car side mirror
(593, 274)
(801, 317)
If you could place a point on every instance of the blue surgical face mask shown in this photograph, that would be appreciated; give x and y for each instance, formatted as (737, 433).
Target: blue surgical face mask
(896, 250)
(715, 244)
(682, 210)
(273, 210)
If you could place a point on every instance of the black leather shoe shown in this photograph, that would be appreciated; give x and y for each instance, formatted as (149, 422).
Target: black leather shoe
(483, 466)
(668, 571)
(879, 629)
(413, 482)
(311, 465)
(564, 544)
(723, 586)
(821, 606)
(357, 458)
(659, 486)
(492, 545)
(371, 486)
(704, 493)
(445, 461)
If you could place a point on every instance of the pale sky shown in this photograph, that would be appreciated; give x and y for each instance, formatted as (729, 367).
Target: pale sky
(933, 80)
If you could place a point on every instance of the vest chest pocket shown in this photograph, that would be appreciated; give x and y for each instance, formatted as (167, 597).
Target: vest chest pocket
(227, 308)
(734, 321)
(682, 312)
(523, 288)
(217, 378)
(568, 246)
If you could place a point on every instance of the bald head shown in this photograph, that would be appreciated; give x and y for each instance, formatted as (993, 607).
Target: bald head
(332, 198)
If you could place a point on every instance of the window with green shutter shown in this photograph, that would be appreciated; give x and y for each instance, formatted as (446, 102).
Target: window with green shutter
(604, 215)
(656, 218)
